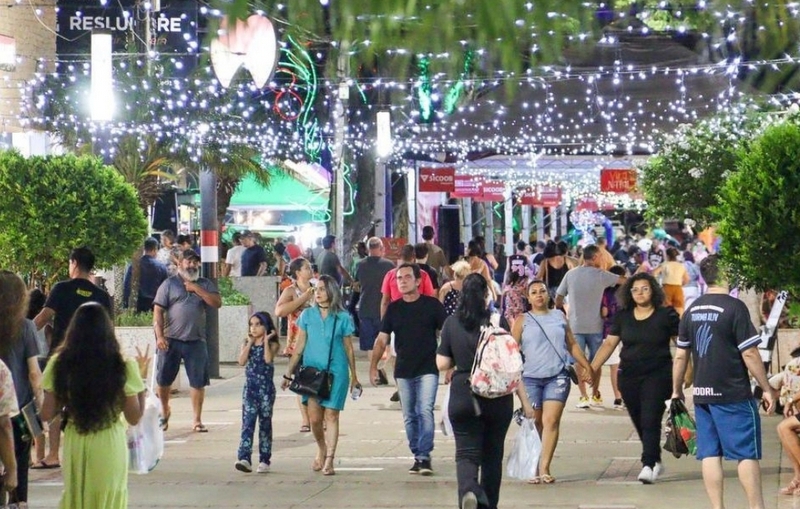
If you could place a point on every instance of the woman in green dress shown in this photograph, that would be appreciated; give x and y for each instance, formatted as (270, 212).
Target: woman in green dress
(90, 383)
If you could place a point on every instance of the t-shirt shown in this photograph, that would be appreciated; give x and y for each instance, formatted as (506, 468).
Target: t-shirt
(186, 311)
(459, 344)
(645, 343)
(655, 257)
(8, 398)
(717, 328)
(66, 297)
(329, 264)
(293, 251)
(370, 273)
(252, 258)
(585, 286)
(390, 288)
(414, 325)
(17, 361)
(234, 259)
(431, 274)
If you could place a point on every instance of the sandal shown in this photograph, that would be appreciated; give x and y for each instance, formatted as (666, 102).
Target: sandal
(328, 469)
(317, 465)
(548, 479)
(535, 480)
(305, 428)
(200, 428)
(163, 422)
(790, 489)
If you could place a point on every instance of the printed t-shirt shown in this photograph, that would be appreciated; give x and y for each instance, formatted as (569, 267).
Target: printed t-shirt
(66, 297)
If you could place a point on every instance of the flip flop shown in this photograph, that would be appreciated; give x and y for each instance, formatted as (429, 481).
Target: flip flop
(43, 465)
(305, 428)
(163, 422)
(535, 480)
(200, 428)
(548, 479)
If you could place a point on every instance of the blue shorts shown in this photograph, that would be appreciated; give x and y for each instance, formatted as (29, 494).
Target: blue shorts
(554, 388)
(195, 358)
(729, 430)
(367, 332)
(593, 341)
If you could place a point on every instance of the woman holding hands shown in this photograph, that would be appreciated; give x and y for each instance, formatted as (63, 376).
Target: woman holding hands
(645, 327)
(325, 341)
(546, 340)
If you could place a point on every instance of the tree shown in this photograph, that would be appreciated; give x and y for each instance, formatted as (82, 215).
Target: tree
(760, 220)
(49, 205)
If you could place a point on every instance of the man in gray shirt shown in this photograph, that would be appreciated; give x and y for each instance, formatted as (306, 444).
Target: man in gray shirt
(179, 319)
(585, 286)
(370, 273)
(329, 263)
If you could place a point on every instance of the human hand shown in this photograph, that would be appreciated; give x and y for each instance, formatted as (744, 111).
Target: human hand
(143, 360)
(10, 480)
(768, 400)
(448, 376)
(528, 411)
(191, 286)
(285, 384)
(789, 409)
(588, 376)
(161, 344)
(678, 395)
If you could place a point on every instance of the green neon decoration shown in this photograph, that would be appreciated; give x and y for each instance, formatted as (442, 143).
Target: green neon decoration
(453, 95)
(424, 90)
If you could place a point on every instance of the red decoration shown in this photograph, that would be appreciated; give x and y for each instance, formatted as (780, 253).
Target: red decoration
(436, 180)
(615, 180)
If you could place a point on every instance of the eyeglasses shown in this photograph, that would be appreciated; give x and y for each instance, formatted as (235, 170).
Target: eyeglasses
(640, 289)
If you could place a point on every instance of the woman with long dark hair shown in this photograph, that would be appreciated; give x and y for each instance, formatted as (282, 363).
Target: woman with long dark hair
(19, 351)
(326, 335)
(90, 384)
(645, 327)
(480, 434)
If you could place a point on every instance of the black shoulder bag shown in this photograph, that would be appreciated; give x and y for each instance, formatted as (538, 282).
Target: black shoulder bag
(569, 368)
(315, 382)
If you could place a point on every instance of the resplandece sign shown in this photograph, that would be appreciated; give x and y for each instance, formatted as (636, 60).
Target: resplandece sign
(436, 180)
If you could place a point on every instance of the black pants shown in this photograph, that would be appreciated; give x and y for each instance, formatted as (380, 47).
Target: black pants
(351, 307)
(22, 453)
(479, 441)
(644, 397)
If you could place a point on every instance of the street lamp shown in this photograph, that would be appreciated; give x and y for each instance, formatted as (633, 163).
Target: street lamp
(102, 91)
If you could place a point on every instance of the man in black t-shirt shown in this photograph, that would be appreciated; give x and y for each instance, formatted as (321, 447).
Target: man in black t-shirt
(724, 347)
(254, 257)
(64, 299)
(414, 319)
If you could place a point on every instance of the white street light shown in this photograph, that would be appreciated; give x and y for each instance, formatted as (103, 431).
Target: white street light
(102, 93)
(384, 141)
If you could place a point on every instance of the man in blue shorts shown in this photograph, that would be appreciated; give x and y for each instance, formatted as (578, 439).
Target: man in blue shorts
(723, 343)
(179, 319)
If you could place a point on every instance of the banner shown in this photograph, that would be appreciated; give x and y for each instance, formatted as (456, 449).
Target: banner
(466, 186)
(492, 190)
(618, 180)
(541, 196)
(436, 180)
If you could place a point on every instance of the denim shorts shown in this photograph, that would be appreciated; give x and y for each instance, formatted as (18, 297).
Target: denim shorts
(554, 388)
(195, 358)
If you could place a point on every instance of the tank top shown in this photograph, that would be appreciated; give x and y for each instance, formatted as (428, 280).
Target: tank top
(541, 359)
(554, 276)
(451, 301)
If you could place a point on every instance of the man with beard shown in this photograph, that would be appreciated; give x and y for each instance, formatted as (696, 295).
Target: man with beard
(179, 319)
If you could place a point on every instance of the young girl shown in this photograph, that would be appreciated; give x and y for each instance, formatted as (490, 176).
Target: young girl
(258, 396)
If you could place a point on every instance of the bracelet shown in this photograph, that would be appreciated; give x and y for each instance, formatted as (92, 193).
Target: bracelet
(288, 378)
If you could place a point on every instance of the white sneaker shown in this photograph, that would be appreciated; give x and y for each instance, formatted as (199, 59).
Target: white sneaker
(243, 466)
(658, 469)
(263, 468)
(646, 475)
(469, 501)
(583, 402)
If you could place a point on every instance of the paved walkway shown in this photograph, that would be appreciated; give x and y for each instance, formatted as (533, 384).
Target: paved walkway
(596, 463)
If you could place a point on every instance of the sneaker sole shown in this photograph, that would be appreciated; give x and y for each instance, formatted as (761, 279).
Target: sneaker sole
(470, 501)
(426, 473)
(242, 468)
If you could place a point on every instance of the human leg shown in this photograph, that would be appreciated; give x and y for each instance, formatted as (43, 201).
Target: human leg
(713, 480)
(581, 340)
(593, 344)
(265, 424)
(750, 477)
(167, 365)
(249, 416)
(407, 387)
(315, 416)
(22, 453)
(787, 432)
(195, 360)
(331, 417)
(197, 396)
(496, 414)
(469, 435)
(655, 389)
(54, 441)
(630, 390)
(426, 399)
(551, 422)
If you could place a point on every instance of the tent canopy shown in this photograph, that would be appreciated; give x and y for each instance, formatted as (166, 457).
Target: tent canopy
(284, 193)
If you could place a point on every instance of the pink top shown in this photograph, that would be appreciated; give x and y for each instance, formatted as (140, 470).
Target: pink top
(389, 286)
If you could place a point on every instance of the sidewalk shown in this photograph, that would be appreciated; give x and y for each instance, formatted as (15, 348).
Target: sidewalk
(596, 462)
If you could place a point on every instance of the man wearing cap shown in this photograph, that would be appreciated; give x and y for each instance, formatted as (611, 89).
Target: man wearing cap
(179, 319)
(254, 257)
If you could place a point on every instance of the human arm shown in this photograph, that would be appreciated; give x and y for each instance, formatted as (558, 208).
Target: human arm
(244, 350)
(604, 352)
(289, 302)
(559, 304)
(679, 364)
(262, 269)
(384, 303)
(586, 374)
(443, 291)
(752, 359)
(345, 274)
(43, 318)
(212, 298)
(300, 345)
(35, 379)
(443, 362)
(7, 454)
(272, 346)
(351, 360)
(126, 286)
(134, 408)
(158, 325)
(226, 269)
(522, 395)
(377, 353)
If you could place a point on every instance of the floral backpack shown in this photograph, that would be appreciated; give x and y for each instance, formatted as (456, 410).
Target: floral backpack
(497, 368)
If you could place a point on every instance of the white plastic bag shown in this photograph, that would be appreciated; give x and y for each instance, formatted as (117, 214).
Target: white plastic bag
(447, 426)
(146, 439)
(523, 462)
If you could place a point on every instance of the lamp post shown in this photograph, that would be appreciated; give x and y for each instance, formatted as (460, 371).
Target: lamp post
(102, 84)
(383, 147)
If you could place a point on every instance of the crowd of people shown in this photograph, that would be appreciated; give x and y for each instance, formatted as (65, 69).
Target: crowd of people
(417, 318)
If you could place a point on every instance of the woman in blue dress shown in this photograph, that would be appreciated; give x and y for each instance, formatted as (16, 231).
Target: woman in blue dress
(325, 322)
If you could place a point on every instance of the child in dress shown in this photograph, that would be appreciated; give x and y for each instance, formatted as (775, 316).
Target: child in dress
(789, 383)
(258, 397)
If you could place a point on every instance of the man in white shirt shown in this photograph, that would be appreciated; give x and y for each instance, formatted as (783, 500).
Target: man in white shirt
(233, 260)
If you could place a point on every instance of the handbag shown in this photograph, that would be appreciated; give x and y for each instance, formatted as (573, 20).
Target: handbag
(569, 368)
(315, 382)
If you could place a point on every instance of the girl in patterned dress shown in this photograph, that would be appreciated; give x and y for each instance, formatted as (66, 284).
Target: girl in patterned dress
(258, 396)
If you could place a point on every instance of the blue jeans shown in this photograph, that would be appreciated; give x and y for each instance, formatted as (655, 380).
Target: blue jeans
(593, 341)
(417, 396)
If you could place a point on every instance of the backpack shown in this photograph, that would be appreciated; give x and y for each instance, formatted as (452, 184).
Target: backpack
(497, 368)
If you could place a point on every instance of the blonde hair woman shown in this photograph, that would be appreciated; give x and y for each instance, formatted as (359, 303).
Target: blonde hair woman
(450, 292)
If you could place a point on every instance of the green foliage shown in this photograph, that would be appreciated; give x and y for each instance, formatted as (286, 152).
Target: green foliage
(128, 318)
(49, 205)
(760, 223)
(682, 181)
(230, 295)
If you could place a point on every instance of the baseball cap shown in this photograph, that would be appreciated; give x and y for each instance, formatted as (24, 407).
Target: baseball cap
(247, 233)
(188, 254)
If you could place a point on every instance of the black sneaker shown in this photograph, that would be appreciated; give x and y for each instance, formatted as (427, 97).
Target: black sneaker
(395, 397)
(425, 467)
(415, 467)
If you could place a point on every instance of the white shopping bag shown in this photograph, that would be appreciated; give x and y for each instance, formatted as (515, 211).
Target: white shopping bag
(523, 462)
(146, 439)
(444, 422)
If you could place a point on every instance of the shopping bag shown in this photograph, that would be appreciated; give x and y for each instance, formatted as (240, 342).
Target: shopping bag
(523, 462)
(680, 430)
(146, 439)
(444, 423)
